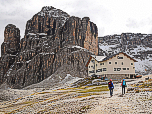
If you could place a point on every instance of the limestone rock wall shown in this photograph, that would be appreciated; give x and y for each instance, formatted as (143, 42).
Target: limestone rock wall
(81, 32)
(11, 40)
(9, 49)
(52, 40)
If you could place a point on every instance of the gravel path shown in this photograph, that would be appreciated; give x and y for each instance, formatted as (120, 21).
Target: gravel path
(125, 104)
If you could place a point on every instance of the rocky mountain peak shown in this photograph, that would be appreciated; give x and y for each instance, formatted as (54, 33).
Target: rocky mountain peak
(86, 18)
(11, 40)
(54, 44)
(47, 8)
(48, 21)
(10, 26)
(53, 12)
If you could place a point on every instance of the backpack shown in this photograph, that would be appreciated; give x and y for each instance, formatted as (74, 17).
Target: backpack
(124, 83)
(110, 84)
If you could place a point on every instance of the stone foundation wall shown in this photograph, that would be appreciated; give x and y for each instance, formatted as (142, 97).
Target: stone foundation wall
(117, 76)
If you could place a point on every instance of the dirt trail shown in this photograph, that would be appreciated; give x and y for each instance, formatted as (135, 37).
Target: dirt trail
(128, 103)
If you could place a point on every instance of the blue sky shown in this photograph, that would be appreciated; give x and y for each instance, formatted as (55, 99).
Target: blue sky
(110, 16)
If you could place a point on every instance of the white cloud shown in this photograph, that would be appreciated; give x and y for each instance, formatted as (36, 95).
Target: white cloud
(110, 16)
(132, 23)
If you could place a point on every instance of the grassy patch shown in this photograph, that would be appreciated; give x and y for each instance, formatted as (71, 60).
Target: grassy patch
(68, 89)
(43, 92)
(150, 80)
(27, 102)
(146, 84)
(150, 98)
(86, 107)
(137, 91)
(74, 89)
(96, 89)
(147, 90)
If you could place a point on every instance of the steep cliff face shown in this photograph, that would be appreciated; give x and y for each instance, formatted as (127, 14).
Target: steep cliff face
(52, 40)
(11, 40)
(9, 49)
(48, 21)
(81, 32)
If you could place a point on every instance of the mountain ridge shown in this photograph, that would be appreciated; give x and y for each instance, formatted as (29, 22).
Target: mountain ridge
(136, 45)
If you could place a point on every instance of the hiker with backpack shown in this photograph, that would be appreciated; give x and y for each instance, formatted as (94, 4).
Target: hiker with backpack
(111, 87)
(123, 84)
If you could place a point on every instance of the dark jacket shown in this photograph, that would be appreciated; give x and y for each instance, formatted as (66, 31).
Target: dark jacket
(111, 86)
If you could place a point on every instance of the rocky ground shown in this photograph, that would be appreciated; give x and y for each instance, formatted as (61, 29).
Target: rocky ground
(131, 102)
(84, 99)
